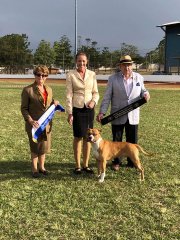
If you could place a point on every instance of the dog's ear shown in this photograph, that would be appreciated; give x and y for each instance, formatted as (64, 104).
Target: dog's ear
(100, 130)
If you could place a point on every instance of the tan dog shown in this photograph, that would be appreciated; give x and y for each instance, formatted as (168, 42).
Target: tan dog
(104, 150)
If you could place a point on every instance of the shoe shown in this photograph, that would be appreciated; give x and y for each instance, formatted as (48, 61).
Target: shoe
(130, 165)
(35, 175)
(115, 167)
(77, 171)
(44, 172)
(88, 170)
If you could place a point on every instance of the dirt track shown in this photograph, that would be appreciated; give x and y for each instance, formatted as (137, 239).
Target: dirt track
(101, 82)
(162, 85)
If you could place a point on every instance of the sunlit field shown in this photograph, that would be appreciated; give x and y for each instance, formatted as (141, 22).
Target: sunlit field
(63, 206)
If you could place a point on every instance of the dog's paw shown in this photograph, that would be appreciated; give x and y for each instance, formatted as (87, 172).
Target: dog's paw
(141, 180)
(101, 176)
(101, 180)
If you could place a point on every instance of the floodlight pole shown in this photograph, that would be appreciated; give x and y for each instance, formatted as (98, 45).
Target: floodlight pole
(75, 27)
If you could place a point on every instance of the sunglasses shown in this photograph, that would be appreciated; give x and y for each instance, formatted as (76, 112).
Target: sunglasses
(41, 75)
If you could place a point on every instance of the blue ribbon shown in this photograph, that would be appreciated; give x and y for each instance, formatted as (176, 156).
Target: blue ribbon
(45, 119)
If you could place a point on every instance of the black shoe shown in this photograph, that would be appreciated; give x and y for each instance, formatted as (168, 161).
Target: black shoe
(44, 172)
(77, 171)
(88, 170)
(115, 167)
(35, 175)
(130, 165)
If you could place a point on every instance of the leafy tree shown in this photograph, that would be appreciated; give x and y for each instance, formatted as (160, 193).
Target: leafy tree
(127, 49)
(94, 43)
(111, 59)
(88, 40)
(106, 57)
(44, 54)
(157, 55)
(115, 58)
(92, 53)
(15, 54)
(161, 50)
(93, 56)
(138, 59)
(63, 56)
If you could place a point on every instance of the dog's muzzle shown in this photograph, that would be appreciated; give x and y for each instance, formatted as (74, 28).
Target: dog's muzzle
(90, 138)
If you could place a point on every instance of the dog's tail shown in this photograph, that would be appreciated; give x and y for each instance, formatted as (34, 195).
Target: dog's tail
(143, 151)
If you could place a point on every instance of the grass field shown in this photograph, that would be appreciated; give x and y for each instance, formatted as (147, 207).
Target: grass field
(62, 206)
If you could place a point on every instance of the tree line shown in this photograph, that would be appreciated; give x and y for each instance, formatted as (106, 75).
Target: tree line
(16, 55)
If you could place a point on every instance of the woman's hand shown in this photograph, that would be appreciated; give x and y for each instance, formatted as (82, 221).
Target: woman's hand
(56, 102)
(70, 119)
(34, 123)
(91, 104)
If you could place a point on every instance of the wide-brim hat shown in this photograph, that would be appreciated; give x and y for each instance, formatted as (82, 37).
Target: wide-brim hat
(125, 59)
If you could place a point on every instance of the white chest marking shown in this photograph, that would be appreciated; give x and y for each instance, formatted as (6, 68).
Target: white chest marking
(95, 147)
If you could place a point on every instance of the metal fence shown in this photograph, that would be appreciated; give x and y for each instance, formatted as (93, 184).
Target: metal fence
(147, 78)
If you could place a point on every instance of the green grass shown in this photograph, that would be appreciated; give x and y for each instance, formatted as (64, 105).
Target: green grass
(67, 207)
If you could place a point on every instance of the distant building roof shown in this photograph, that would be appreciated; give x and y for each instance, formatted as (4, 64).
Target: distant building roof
(167, 24)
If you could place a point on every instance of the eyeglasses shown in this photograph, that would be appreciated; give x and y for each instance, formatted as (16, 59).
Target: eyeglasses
(41, 75)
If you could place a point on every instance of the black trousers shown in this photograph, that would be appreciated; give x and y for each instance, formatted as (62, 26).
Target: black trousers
(131, 132)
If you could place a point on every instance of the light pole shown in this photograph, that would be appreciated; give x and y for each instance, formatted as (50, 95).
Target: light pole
(75, 27)
(63, 62)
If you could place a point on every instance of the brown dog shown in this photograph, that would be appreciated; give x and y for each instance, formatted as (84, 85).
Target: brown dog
(104, 150)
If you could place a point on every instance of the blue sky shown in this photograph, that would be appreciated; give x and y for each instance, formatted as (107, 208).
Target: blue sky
(108, 22)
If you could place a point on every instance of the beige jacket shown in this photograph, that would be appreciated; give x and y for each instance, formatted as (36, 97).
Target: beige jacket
(80, 92)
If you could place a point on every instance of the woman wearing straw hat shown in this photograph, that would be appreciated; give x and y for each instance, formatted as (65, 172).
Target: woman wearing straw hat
(123, 88)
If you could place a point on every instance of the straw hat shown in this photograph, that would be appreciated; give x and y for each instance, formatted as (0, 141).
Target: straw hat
(125, 59)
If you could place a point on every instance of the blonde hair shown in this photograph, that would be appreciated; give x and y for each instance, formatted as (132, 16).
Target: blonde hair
(41, 69)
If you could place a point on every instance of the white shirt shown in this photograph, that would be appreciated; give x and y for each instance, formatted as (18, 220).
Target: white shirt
(128, 83)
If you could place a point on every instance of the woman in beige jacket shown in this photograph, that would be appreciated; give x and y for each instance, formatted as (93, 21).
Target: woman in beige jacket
(81, 97)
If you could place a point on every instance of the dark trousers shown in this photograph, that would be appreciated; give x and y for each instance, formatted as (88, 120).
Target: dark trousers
(131, 132)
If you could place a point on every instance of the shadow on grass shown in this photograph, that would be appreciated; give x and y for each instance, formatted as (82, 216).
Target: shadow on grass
(12, 170)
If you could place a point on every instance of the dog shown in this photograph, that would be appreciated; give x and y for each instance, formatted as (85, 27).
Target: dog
(104, 150)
